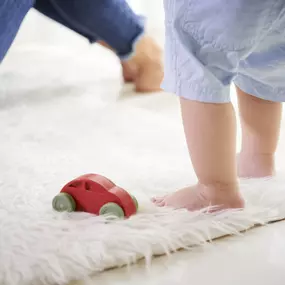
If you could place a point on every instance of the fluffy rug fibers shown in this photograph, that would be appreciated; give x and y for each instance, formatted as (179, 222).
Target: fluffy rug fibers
(62, 116)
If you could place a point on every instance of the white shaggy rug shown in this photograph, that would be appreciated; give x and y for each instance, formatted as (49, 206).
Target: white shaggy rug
(62, 114)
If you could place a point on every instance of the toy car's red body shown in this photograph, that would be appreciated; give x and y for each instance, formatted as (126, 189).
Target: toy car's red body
(91, 193)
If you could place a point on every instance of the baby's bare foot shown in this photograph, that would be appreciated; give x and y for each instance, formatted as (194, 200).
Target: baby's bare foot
(255, 165)
(199, 197)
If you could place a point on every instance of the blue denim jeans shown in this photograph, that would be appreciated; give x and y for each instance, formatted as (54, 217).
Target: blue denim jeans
(112, 21)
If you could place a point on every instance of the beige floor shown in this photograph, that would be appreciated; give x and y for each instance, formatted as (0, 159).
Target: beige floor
(257, 257)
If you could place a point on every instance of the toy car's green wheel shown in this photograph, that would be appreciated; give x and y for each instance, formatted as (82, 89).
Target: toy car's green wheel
(112, 209)
(135, 201)
(63, 202)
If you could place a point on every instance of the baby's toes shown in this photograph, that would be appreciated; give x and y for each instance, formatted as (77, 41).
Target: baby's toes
(161, 203)
(157, 200)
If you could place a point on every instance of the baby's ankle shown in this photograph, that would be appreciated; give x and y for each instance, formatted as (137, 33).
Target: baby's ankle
(219, 186)
(255, 165)
(222, 193)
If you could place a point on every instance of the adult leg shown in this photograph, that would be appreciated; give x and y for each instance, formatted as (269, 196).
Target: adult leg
(12, 14)
(113, 24)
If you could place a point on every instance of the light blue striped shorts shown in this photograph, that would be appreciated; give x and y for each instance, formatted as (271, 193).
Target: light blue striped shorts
(211, 43)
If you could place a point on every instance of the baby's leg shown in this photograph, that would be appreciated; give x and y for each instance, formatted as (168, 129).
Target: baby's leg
(210, 131)
(260, 120)
(202, 59)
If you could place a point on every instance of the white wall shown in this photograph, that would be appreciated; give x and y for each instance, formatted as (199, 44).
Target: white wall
(153, 9)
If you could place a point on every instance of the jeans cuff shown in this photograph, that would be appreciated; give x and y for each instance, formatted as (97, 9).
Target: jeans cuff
(127, 55)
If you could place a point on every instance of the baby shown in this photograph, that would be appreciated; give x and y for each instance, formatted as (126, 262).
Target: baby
(209, 45)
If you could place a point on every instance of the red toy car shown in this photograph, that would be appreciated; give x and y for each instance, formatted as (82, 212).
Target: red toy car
(97, 195)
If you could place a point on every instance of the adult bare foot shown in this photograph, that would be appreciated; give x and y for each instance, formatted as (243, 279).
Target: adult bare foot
(199, 197)
(144, 68)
